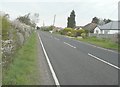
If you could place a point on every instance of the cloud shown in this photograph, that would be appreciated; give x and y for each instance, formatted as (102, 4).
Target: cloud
(85, 10)
(92, 1)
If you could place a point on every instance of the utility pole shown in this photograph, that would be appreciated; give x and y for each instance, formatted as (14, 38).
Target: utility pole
(54, 20)
(43, 24)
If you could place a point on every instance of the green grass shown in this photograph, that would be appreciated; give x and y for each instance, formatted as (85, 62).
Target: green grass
(23, 69)
(105, 43)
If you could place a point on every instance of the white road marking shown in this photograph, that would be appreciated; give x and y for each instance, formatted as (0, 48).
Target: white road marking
(69, 45)
(56, 38)
(103, 61)
(49, 63)
(98, 47)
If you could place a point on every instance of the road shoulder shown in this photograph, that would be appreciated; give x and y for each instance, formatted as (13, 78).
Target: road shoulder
(45, 74)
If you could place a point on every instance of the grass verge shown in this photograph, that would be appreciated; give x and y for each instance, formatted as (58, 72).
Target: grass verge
(101, 42)
(105, 43)
(23, 70)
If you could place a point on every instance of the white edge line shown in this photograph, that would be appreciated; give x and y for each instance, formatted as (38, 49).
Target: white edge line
(103, 61)
(69, 45)
(49, 63)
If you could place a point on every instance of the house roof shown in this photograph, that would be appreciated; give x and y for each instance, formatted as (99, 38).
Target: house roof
(113, 25)
(78, 27)
(90, 27)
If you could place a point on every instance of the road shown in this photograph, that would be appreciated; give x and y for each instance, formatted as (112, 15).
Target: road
(79, 63)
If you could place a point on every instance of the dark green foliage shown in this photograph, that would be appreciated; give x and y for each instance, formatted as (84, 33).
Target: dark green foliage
(71, 20)
(68, 24)
(95, 20)
(107, 21)
(38, 27)
(49, 28)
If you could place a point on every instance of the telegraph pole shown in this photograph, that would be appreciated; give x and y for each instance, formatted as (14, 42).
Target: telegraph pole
(54, 20)
(43, 24)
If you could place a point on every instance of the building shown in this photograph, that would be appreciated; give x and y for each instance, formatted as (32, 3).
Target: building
(90, 27)
(109, 28)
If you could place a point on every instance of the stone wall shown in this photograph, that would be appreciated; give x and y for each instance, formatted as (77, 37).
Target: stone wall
(18, 34)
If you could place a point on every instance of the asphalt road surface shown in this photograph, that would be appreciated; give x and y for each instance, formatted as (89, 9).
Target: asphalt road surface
(79, 63)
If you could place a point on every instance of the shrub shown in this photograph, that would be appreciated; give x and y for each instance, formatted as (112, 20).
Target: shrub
(5, 27)
(83, 35)
(79, 32)
(47, 28)
(65, 31)
(61, 32)
(74, 33)
(69, 33)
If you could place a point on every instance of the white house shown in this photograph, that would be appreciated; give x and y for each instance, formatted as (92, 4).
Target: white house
(109, 28)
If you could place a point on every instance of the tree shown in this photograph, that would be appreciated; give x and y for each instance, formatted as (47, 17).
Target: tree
(34, 18)
(68, 23)
(95, 20)
(107, 21)
(71, 20)
(100, 21)
(26, 20)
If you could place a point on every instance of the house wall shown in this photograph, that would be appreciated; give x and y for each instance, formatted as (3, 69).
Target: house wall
(97, 31)
(113, 31)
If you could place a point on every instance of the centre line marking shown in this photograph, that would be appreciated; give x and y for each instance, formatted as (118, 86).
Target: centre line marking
(69, 45)
(104, 61)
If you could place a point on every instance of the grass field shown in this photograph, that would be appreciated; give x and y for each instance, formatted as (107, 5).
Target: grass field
(23, 70)
(101, 42)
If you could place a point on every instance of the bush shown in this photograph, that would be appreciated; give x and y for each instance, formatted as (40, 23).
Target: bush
(74, 33)
(83, 35)
(5, 27)
(65, 31)
(69, 33)
(47, 28)
(79, 32)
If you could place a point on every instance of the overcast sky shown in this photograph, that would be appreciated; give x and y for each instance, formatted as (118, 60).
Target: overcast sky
(85, 10)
